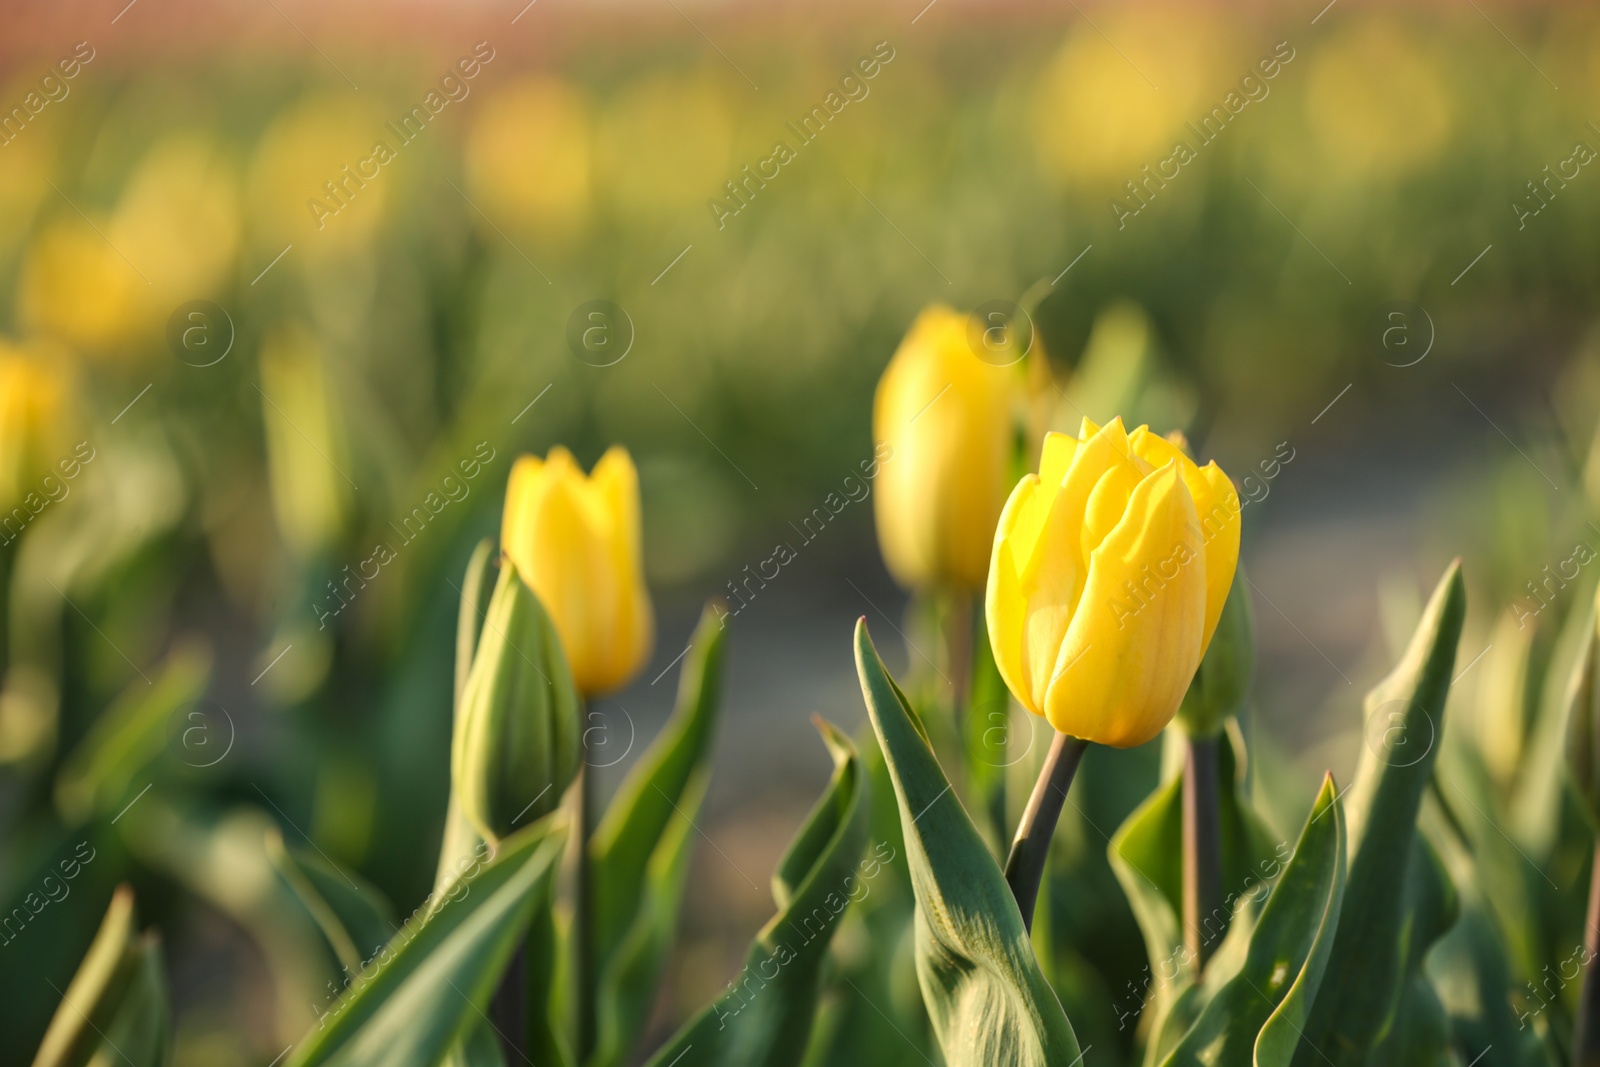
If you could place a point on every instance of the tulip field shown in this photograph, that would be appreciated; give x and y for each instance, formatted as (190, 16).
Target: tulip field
(683, 534)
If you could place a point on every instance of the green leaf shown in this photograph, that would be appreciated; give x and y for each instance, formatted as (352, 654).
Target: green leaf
(765, 1017)
(1146, 853)
(640, 852)
(1255, 1014)
(987, 999)
(1374, 947)
(1420, 1034)
(437, 974)
(352, 915)
(115, 1007)
(133, 732)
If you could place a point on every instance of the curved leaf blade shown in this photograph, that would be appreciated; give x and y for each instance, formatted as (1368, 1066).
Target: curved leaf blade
(988, 1001)
(640, 852)
(1256, 1015)
(1366, 973)
(764, 1019)
(431, 986)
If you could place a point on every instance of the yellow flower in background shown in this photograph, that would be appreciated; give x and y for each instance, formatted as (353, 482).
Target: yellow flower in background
(1110, 570)
(1097, 118)
(575, 541)
(76, 287)
(529, 156)
(945, 416)
(178, 221)
(1377, 102)
(297, 162)
(33, 401)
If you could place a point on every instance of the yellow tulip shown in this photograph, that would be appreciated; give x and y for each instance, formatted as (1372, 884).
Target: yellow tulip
(34, 404)
(945, 416)
(575, 541)
(1110, 570)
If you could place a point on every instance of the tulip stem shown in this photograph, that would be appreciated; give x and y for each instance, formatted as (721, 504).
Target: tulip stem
(584, 971)
(1025, 865)
(1586, 1033)
(1202, 850)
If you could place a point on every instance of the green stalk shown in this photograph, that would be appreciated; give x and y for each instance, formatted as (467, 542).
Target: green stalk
(584, 970)
(1031, 846)
(1202, 847)
(1586, 1033)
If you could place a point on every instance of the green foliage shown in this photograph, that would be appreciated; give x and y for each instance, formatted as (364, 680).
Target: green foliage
(987, 999)
(1397, 898)
(436, 975)
(765, 1017)
(516, 744)
(1255, 1013)
(115, 1008)
(640, 852)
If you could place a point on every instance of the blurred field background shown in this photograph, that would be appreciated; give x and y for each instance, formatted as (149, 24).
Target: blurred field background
(182, 578)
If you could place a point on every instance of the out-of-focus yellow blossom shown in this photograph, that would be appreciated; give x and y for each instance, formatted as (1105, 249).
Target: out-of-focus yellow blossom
(664, 142)
(178, 220)
(1098, 120)
(575, 541)
(77, 287)
(305, 462)
(304, 150)
(33, 403)
(528, 156)
(1377, 102)
(1111, 567)
(945, 417)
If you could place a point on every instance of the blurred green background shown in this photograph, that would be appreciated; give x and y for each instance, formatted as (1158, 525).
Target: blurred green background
(229, 472)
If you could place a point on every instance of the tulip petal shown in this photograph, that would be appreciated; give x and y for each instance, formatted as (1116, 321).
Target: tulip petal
(1217, 507)
(1131, 651)
(1056, 457)
(1004, 605)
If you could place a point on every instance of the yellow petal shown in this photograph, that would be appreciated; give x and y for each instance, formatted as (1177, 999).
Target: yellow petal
(1055, 459)
(1004, 606)
(1217, 509)
(1128, 656)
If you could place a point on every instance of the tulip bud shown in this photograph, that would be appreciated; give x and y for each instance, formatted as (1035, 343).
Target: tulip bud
(1223, 679)
(1110, 570)
(515, 749)
(575, 541)
(941, 421)
(1583, 729)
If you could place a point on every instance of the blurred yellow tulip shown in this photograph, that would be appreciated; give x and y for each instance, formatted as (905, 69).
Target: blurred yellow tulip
(33, 396)
(575, 541)
(1110, 570)
(528, 156)
(77, 287)
(946, 415)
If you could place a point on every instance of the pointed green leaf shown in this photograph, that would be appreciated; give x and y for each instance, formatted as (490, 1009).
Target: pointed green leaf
(352, 915)
(1256, 1013)
(765, 1017)
(97, 991)
(640, 851)
(988, 1001)
(417, 996)
(1146, 853)
(1405, 712)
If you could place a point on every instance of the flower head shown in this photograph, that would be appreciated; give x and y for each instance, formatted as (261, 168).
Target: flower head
(575, 541)
(1109, 572)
